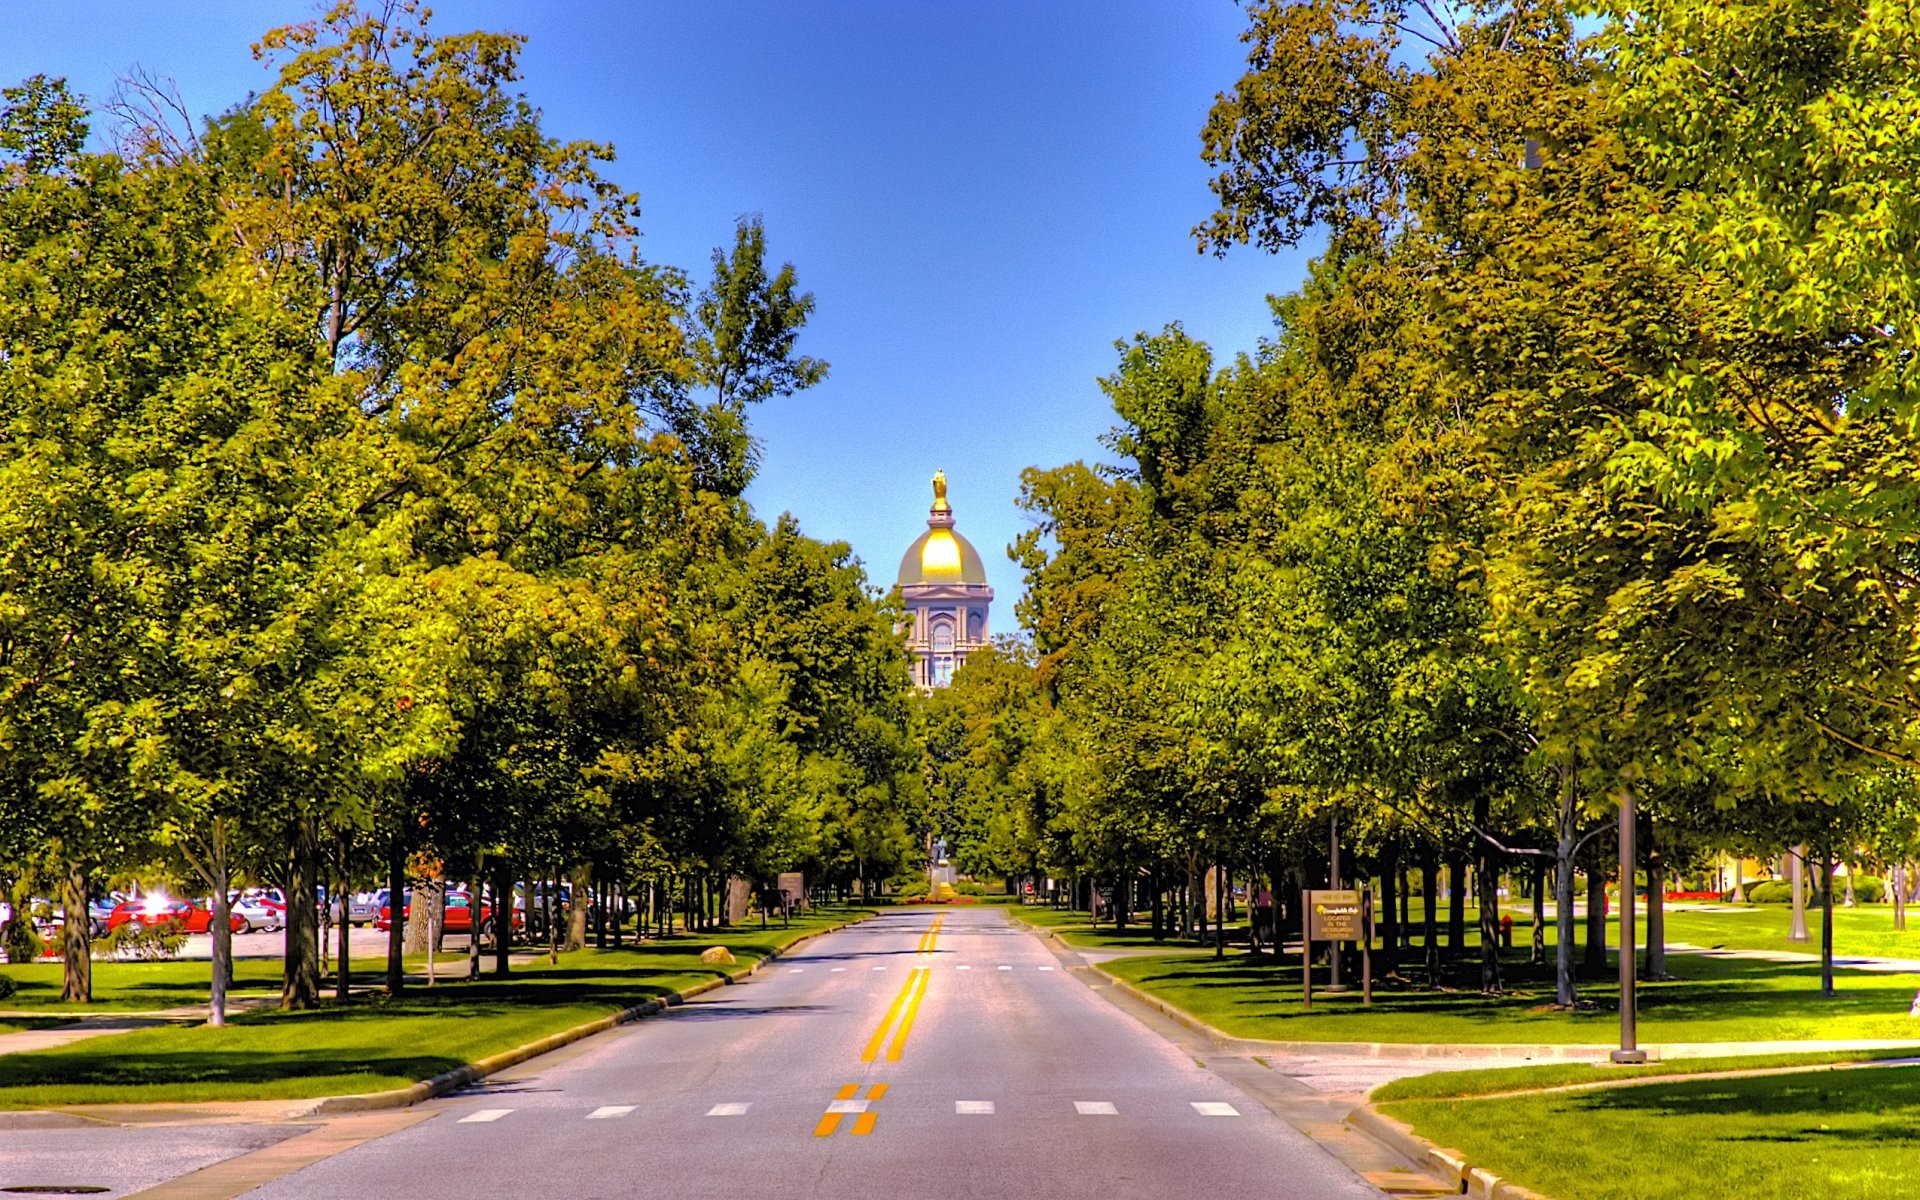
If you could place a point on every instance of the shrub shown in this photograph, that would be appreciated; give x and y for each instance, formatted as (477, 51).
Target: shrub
(154, 944)
(7, 986)
(1770, 891)
(1867, 889)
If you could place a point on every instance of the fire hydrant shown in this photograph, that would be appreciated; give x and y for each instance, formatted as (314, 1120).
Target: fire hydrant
(1506, 931)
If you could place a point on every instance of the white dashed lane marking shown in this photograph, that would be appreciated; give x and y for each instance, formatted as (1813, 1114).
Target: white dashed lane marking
(1215, 1108)
(1046, 968)
(973, 1108)
(962, 967)
(1005, 967)
(795, 970)
(837, 970)
(484, 1115)
(1095, 1108)
(879, 968)
(729, 1110)
(610, 1110)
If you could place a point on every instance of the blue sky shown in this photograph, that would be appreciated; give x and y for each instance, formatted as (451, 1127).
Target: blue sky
(981, 196)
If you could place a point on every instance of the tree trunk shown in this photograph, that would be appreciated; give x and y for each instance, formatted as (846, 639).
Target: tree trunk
(1406, 907)
(1656, 910)
(300, 982)
(1219, 910)
(396, 931)
(1899, 882)
(221, 926)
(343, 912)
(553, 918)
(582, 880)
(76, 938)
(1429, 882)
(1537, 954)
(476, 904)
(1389, 909)
(1596, 947)
(1487, 882)
(427, 899)
(1456, 904)
(1826, 925)
(1797, 868)
(1159, 908)
(502, 917)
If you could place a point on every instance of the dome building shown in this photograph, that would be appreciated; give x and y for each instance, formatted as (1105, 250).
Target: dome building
(943, 586)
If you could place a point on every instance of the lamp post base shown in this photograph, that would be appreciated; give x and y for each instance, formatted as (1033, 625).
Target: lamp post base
(1628, 1057)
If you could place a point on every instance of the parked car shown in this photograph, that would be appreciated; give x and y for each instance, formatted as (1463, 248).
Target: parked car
(258, 912)
(459, 915)
(185, 915)
(365, 906)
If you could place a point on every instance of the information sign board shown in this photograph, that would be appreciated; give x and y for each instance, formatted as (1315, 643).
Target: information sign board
(1333, 916)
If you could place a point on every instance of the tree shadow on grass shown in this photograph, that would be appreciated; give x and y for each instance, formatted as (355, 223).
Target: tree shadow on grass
(202, 1066)
(1706, 991)
(1889, 1094)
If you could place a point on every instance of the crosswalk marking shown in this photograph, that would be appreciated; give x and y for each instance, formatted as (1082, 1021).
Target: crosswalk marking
(978, 1108)
(1215, 1108)
(729, 1110)
(1095, 1108)
(484, 1115)
(610, 1110)
(847, 1106)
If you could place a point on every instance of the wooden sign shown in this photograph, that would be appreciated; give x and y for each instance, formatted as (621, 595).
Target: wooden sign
(1337, 917)
(1334, 916)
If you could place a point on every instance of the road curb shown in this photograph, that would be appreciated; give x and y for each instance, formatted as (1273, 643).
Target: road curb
(1448, 1165)
(460, 1077)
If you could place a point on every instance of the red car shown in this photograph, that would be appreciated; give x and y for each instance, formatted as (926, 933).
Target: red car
(184, 915)
(459, 918)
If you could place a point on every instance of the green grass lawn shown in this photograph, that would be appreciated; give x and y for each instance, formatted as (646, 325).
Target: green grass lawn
(139, 986)
(1461, 1085)
(374, 1043)
(1713, 1000)
(1838, 1135)
(1866, 931)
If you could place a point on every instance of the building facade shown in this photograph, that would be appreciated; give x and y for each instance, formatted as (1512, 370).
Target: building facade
(943, 586)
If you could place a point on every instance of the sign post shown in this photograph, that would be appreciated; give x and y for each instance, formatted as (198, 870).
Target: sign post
(1336, 916)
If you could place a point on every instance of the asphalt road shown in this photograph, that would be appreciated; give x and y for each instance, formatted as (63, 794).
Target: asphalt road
(921, 1054)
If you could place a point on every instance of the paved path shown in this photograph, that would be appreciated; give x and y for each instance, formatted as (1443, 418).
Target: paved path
(891, 1058)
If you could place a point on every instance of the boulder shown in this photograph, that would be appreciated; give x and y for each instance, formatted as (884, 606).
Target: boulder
(716, 956)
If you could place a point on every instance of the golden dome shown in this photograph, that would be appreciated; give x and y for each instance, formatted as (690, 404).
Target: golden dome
(941, 555)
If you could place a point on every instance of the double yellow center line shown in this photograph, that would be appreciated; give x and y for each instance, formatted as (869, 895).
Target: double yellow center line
(927, 938)
(899, 1022)
(906, 1006)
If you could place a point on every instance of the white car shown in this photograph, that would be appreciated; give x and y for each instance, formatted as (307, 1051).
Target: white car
(252, 907)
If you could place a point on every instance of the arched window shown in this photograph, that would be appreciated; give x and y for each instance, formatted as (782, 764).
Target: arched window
(943, 637)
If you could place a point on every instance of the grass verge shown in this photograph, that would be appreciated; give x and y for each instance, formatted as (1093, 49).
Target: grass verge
(1711, 1000)
(376, 1043)
(1465, 1085)
(1840, 1135)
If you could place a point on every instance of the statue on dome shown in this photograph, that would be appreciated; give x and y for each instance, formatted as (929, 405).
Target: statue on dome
(939, 491)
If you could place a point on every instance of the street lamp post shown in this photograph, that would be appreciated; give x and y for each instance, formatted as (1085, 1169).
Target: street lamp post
(1628, 1052)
